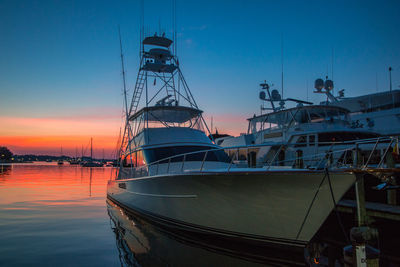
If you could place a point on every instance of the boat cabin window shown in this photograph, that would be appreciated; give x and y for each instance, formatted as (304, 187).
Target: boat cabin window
(328, 138)
(301, 141)
(317, 116)
(129, 160)
(295, 116)
(156, 154)
(135, 159)
(140, 159)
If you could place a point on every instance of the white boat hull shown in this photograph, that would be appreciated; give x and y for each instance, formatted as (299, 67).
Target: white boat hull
(286, 207)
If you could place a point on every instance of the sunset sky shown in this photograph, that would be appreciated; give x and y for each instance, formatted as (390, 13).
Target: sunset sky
(60, 76)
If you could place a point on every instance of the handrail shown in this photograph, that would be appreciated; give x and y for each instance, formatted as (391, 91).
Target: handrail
(356, 143)
(230, 164)
(384, 155)
(360, 141)
(370, 155)
(273, 158)
(204, 159)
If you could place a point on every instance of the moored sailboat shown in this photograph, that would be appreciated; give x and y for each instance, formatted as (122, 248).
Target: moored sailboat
(91, 162)
(60, 161)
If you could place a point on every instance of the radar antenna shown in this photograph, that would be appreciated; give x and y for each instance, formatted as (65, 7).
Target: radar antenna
(274, 96)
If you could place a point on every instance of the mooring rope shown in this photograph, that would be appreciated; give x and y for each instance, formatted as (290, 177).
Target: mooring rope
(335, 206)
(309, 207)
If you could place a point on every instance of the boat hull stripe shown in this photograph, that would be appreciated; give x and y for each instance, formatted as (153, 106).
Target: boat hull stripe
(157, 195)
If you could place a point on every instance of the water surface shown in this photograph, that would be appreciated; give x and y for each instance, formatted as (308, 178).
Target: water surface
(54, 215)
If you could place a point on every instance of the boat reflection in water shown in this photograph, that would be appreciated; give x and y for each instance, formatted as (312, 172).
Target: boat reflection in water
(143, 244)
(4, 168)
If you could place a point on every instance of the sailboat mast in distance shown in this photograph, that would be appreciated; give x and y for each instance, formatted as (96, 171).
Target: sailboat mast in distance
(60, 161)
(91, 148)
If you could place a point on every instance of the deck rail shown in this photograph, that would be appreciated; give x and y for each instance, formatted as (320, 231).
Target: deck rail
(321, 159)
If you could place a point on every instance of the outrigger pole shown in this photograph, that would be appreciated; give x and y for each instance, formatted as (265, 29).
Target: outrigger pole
(127, 127)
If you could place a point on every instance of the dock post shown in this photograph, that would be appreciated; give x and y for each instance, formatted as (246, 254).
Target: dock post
(361, 234)
(360, 199)
(359, 253)
(391, 164)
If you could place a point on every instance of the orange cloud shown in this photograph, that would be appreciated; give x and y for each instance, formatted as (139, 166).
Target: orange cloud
(18, 126)
(47, 135)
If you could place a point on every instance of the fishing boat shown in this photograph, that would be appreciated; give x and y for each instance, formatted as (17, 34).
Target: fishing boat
(173, 175)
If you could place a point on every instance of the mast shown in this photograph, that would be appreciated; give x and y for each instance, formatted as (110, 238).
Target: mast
(91, 148)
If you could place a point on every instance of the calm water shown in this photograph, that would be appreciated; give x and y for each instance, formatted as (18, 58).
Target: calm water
(53, 215)
(59, 216)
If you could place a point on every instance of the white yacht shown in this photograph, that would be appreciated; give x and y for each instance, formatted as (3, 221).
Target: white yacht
(172, 174)
(305, 132)
(379, 112)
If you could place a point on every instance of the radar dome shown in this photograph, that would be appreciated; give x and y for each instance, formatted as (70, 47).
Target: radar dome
(275, 95)
(319, 84)
(329, 85)
(262, 95)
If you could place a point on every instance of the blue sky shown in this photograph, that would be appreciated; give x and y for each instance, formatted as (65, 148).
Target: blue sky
(61, 58)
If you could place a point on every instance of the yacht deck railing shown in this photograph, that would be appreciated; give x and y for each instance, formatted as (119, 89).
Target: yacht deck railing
(321, 160)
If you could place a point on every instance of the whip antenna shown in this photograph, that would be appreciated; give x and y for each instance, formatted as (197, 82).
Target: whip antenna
(123, 73)
(127, 128)
(282, 64)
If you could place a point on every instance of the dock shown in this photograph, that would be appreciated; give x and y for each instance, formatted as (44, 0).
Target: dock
(375, 210)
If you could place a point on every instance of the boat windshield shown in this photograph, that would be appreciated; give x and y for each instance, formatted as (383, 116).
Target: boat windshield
(156, 154)
(300, 115)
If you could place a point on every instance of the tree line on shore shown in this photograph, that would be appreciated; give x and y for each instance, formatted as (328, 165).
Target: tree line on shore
(7, 156)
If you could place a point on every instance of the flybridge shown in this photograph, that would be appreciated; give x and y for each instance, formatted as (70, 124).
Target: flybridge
(168, 100)
(167, 86)
(161, 96)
